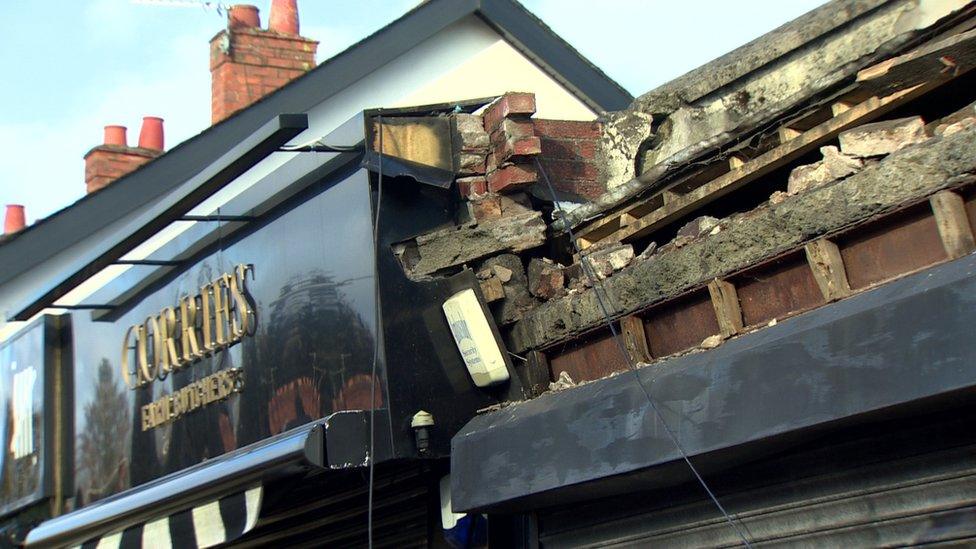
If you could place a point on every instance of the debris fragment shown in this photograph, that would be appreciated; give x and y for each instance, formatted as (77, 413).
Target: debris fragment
(711, 341)
(698, 226)
(455, 246)
(492, 289)
(508, 269)
(835, 165)
(881, 138)
(564, 382)
(609, 259)
(777, 197)
(838, 164)
(807, 177)
(648, 251)
(503, 273)
(959, 126)
(546, 279)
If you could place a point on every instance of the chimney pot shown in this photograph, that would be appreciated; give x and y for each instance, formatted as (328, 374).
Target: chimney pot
(284, 17)
(243, 16)
(151, 135)
(115, 135)
(14, 219)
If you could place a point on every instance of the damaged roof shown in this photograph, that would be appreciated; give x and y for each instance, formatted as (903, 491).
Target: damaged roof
(712, 109)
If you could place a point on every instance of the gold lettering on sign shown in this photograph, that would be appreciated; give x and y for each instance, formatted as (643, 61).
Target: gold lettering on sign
(213, 388)
(200, 325)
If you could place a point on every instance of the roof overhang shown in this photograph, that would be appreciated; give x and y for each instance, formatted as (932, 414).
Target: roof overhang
(899, 348)
(38, 267)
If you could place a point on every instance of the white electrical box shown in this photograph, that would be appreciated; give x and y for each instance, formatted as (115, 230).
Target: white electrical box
(475, 339)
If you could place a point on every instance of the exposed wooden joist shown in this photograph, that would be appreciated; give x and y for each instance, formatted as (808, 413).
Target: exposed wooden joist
(534, 374)
(725, 301)
(828, 269)
(953, 224)
(941, 60)
(635, 339)
(786, 133)
(841, 107)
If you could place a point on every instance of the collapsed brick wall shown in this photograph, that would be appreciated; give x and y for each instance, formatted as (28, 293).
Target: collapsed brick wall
(501, 149)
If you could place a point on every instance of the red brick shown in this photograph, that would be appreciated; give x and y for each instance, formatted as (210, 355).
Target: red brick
(563, 149)
(470, 187)
(521, 146)
(567, 129)
(517, 104)
(512, 178)
(486, 207)
(571, 170)
(510, 128)
(586, 189)
(586, 149)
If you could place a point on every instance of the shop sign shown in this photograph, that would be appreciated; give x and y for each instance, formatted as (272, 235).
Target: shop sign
(218, 316)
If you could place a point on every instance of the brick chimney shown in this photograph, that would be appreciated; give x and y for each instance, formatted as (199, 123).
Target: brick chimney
(115, 158)
(247, 62)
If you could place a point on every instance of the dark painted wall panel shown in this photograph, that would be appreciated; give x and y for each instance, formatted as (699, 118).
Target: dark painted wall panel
(680, 324)
(777, 289)
(908, 341)
(901, 243)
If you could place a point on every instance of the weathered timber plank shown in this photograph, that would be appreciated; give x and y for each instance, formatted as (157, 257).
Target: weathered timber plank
(725, 301)
(953, 224)
(534, 373)
(635, 339)
(941, 60)
(828, 269)
(598, 229)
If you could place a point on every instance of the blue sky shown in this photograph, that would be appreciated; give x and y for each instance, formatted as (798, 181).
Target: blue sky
(73, 66)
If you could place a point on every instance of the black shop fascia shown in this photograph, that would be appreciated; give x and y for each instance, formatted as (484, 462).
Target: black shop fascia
(265, 346)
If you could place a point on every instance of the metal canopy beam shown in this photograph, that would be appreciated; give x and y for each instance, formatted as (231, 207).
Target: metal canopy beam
(901, 347)
(26, 287)
(337, 442)
(248, 210)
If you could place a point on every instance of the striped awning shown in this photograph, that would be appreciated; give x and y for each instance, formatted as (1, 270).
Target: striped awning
(217, 500)
(204, 525)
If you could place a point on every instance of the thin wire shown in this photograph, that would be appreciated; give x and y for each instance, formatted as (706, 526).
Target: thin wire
(376, 326)
(597, 288)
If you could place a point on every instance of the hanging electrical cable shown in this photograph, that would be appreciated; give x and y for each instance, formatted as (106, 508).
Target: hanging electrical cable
(586, 267)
